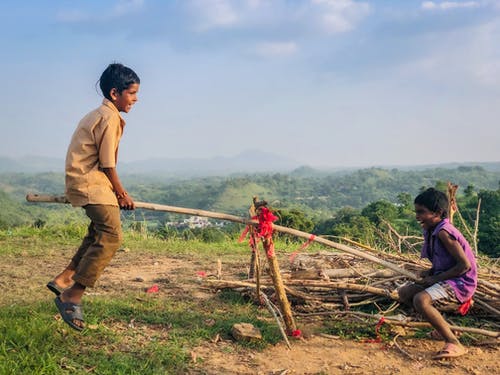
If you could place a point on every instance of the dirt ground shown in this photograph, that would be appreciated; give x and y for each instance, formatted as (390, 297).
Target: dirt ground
(314, 354)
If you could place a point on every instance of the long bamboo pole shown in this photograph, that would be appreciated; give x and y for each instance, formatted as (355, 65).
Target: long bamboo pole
(237, 219)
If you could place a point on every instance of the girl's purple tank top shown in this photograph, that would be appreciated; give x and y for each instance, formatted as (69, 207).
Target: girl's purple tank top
(434, 250)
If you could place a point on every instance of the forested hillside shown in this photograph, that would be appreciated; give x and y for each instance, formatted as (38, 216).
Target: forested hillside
(353, 204)
(318, 195)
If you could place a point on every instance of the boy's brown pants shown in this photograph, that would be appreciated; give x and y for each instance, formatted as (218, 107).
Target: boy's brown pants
(98, 247)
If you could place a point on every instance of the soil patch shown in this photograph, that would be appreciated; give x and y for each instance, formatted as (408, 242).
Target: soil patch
(24, 278)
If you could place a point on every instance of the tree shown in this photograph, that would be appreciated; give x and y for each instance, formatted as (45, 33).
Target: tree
(349, 223)
(469, 191)
(294, 219)
(489, 223)
(378, 211)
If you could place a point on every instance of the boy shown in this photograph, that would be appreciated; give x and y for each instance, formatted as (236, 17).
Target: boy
(452, 279)
(92, 183)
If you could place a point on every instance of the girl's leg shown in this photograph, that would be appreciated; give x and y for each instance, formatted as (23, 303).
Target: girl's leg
(423, 304)
(407, 292)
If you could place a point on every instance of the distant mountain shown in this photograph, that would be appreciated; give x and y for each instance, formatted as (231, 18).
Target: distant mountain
(307, 171)
(248, 161)
(493, 166)
(31, 164)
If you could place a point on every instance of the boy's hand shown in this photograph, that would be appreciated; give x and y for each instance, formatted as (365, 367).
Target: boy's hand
(126, 203)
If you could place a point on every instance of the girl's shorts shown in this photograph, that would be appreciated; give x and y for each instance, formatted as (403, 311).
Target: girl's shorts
(443, 296)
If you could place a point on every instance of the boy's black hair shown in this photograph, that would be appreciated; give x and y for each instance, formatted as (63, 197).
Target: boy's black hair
(434, 200)
(117, 76)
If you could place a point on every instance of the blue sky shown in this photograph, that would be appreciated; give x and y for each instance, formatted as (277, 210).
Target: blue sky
(325, 82)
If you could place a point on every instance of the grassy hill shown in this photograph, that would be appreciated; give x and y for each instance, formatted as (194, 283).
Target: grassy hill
(313, 193)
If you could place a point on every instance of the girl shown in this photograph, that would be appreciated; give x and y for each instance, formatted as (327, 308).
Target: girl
(452, 279)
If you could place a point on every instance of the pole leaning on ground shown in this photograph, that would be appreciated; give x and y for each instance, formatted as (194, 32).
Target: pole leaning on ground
(44, 198)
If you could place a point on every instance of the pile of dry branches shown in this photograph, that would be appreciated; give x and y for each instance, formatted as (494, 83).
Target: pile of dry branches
(333, 283)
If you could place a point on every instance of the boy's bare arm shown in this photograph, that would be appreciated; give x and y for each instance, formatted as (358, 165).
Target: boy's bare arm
(124, 200)
(461, 266)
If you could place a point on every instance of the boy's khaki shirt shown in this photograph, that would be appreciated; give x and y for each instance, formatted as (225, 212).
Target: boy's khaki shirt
(94, 146)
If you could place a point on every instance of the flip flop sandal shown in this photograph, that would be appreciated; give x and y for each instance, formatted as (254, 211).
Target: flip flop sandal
(54, 288)
(70, 312)
(450, 351)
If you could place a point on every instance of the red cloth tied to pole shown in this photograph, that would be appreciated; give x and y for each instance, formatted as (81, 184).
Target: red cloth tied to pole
(266, 218)
(265, 229)
(265, 226)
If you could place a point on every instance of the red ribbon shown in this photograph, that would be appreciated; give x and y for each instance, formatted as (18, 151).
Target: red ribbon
(266, 218)
(304, 246)
(297, 333)
(154, 289)
(244, 233)
(377, 333)
(264, 229)
(464, 307)
(270, 250)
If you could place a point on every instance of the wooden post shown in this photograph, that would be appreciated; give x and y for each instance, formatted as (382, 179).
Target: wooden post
(274, 270)
(279, 287)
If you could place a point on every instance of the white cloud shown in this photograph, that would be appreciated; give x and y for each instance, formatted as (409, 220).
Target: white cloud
(276, 49)
(338, 16)
(465, 56)
(330, 16)
(122, 7)
(213, 14)
(447, 5)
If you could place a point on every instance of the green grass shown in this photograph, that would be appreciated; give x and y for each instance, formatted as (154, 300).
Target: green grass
(131, 332)
(126, 333)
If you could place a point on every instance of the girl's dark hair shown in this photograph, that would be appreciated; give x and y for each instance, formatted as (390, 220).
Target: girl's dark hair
(434, 200)
(117, 76)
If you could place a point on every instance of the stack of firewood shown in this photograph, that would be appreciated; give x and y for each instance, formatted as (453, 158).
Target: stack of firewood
(331, 282)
